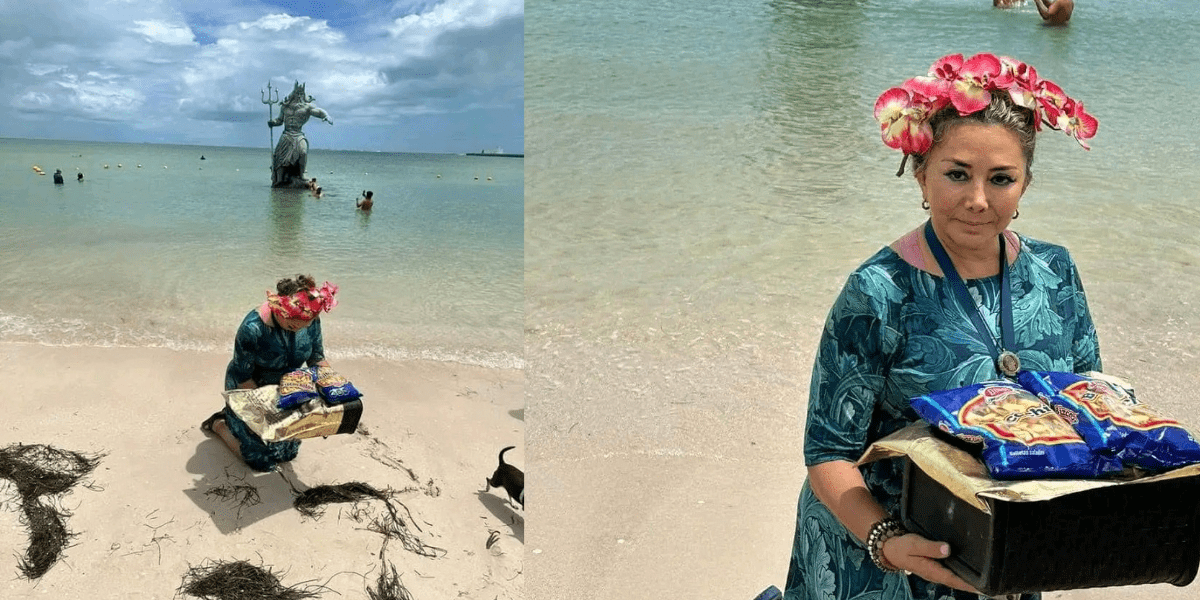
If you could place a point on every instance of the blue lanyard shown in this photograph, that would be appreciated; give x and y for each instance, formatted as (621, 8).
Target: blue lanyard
(964, 298)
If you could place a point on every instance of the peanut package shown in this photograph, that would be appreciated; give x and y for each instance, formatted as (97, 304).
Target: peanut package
(1020, 436)
(1112, 421)
(296, 388)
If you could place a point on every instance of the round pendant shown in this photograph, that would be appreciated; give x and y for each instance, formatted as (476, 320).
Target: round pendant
(1008, 363)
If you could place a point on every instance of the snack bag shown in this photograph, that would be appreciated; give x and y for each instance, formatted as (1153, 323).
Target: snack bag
(335, 388)
(1021, 437)
(296, 388)
(1113, 421)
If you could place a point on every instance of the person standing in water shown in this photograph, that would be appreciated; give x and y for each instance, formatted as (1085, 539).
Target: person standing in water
(365, 203)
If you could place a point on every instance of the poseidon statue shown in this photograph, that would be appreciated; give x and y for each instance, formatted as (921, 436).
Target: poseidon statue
(291, 153)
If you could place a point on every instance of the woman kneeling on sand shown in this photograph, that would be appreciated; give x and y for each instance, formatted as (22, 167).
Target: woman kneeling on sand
(279, 336)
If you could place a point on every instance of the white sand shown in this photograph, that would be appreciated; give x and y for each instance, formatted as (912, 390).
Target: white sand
(146, 519)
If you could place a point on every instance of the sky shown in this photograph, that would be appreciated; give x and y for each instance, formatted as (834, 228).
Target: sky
(402, 76)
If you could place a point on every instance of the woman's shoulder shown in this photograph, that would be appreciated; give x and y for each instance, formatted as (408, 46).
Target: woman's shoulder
(1039, 246)
(884, 264)
(1045, 252)
(252, 323)
(885, 278)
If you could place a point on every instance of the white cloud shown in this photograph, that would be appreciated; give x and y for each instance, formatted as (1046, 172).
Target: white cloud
(165, 33)
(419, 31)
(276, 22)
(42, 70)
(103, 100)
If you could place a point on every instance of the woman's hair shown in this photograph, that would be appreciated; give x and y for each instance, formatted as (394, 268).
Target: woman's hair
(1001, 111)
(291, 285)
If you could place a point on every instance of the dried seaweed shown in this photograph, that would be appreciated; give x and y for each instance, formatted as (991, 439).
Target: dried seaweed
(311, 501)
(240, 580)
(38, 470)
(48, 537)
(388, 586)
(390, 526)
(241, 495)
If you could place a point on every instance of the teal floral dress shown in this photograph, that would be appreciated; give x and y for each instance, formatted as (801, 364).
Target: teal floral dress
(265, 354)
(896, 332)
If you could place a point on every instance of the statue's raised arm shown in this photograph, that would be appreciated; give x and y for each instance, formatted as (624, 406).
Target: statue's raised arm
(291, 153)
(318, 112)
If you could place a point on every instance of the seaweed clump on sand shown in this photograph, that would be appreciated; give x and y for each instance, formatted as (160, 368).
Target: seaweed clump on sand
(240, 580)
(36, 471)
(310, 502)
(388, 586)
(390, 526)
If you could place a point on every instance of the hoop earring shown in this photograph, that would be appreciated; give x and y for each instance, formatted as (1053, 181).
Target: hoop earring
(1016, 213)
(925, 205)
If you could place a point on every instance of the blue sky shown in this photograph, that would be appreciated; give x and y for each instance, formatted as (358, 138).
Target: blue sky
(433, 76)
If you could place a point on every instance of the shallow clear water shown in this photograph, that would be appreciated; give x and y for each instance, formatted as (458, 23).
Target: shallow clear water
(161, 248)
(700, 181)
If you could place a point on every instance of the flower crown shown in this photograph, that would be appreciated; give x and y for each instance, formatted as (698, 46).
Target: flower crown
(904, 112)
(305, 304)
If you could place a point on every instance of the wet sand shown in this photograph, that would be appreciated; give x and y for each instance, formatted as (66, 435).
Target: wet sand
(674, 494)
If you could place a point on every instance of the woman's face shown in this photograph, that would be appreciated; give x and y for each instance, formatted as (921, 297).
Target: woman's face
(973, 181)
(292, 324)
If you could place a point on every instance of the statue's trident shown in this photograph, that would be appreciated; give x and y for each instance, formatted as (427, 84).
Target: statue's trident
(266, 99)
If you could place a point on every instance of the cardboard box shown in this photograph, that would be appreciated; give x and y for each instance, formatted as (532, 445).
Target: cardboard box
(1030, 536)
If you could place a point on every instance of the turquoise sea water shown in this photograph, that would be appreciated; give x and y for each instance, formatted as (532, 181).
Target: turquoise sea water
(701, 179)
(157, 247)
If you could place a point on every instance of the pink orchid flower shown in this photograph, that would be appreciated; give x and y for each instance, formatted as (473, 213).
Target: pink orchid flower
(947, 67)
(977, 76)
(889, 111)
(903, 113)
(1052, 99)
(1077, 122)
(1025, 87)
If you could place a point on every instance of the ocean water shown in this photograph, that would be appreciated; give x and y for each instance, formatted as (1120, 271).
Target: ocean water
(701, 180)
(158, 247)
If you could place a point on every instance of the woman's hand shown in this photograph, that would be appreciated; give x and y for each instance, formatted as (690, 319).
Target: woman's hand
(920, 556)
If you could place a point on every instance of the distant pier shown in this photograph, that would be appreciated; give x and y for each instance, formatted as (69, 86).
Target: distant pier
(497, 152)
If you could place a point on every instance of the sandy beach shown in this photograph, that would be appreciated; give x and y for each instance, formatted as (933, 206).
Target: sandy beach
(648, 489)
(147, 514)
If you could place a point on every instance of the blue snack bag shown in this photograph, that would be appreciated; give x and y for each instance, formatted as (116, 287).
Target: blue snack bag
(1021, 436)
(1113, 421)
(296, 388)
(334, 388)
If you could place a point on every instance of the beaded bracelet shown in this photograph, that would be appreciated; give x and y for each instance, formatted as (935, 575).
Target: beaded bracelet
(881, 532)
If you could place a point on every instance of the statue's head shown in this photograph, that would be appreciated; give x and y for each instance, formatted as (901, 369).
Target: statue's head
(297, 94)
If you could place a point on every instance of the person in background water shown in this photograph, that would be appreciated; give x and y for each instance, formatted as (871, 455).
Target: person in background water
(58, 178)
(1055, 12)
(365, 203)
(312, 183)
(317, 192)
(279, 336)
(79, 177)
(900, 327)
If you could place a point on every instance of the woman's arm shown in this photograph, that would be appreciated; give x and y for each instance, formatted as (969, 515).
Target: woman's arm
(239, 372)
(840, 487)
(1085, 345)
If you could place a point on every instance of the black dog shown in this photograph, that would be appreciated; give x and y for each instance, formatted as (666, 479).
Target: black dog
(510, 478)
